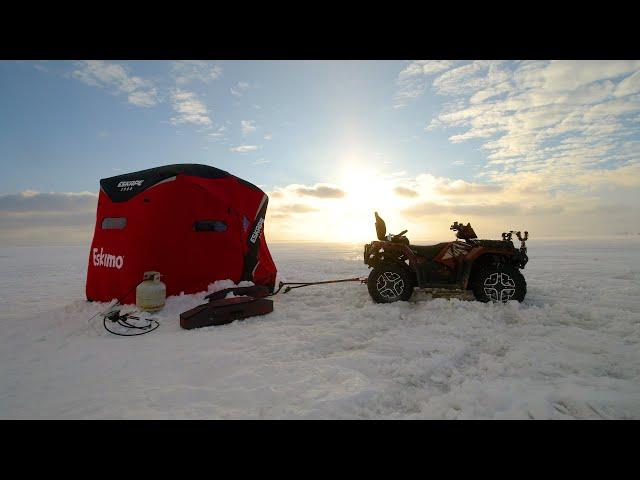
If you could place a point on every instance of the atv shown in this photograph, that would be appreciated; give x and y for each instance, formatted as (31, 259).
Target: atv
(487, 269)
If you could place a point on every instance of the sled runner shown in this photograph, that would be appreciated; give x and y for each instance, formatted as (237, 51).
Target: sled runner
(256, 291)
(223, 311)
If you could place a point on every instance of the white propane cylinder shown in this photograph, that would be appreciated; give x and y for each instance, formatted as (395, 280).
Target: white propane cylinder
(151, 293)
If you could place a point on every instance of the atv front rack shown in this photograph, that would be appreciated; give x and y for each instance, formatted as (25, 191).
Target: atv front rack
(506, 236)
(522, 257)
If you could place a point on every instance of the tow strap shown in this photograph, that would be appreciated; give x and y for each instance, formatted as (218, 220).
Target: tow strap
(307, 284)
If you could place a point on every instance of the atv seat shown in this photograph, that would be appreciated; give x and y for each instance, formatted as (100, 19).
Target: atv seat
(427, 251)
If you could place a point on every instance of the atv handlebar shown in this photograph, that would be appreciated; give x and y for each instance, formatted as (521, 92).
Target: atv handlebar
(506, 236)
(398, 237)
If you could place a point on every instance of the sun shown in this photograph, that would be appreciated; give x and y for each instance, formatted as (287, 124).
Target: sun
(365, 190)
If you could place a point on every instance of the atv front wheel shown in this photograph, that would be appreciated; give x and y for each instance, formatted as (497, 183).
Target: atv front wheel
(389, 283)
(492, 284)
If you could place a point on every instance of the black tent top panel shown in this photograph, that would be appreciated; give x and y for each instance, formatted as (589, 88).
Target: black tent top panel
(124, 187)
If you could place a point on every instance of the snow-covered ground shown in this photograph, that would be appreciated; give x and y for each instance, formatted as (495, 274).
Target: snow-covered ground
(571, 350)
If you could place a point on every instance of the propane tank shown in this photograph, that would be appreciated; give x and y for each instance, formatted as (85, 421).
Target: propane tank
(151, 293)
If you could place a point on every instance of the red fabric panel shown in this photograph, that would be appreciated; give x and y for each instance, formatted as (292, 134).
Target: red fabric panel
(160, 235)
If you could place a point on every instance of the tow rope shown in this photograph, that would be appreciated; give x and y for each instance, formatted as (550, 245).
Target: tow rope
(307, 284)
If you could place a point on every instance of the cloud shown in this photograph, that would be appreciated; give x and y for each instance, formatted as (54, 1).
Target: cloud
(244, 148)
(625, 176)
(428, 186)
(240, 89)
(560, 121)
(261, 161)
(472, 77)
(461, 187)
(30, 201)
(142, 98)
(98, 73)
(33, 218)
(628, 86)
(425, 67)
(271, 215)
(405, 192)
(526, 203)
(608, 209)
(412, 80)
(219, 133)
(143, 93)
(304, 212)
(503, 209)
(320, 191)
(187, 71)
(296, 208)
(248, 126)
(189, 109)
(286, 212)
(268, 136)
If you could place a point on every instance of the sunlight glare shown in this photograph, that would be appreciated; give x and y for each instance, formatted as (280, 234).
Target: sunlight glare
(366, 190)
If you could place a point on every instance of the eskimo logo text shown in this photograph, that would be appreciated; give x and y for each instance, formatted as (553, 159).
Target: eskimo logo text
(256, 231)
(129, 184)
(107, 260)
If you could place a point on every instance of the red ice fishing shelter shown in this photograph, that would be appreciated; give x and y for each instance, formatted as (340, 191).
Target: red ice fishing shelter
(194, 224)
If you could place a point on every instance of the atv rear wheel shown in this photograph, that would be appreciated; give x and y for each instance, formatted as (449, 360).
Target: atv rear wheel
(494, 284)
(389, 283)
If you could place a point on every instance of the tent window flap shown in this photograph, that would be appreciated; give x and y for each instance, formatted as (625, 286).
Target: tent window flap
(210, 226)
(111, 223)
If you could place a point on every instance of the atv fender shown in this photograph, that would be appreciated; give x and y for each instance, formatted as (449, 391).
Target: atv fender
(393, 260)
(390, 253)
(476, 255)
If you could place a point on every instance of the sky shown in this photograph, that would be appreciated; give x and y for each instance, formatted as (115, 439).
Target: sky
(552, 147)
